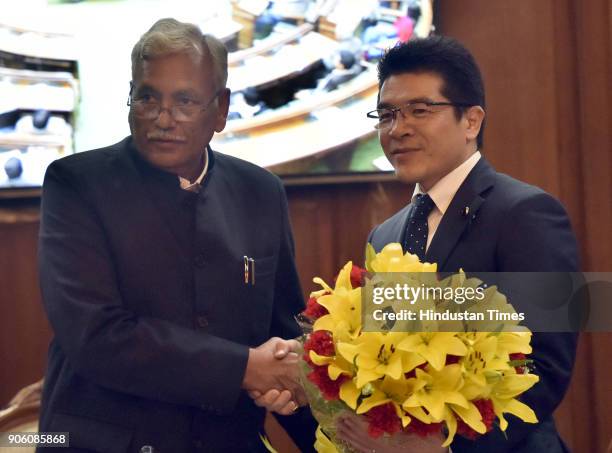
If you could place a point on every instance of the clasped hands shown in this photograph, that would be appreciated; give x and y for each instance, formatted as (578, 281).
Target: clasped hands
(271, 379)
(271, 376)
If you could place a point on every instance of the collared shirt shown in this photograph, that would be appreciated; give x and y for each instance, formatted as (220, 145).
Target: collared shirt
(195, 186)
(444, 190)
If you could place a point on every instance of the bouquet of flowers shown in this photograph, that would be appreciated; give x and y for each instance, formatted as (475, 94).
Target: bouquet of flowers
(422, 382)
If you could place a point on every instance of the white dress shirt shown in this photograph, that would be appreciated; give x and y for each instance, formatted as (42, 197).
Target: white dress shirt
(195, 186)
(443, 191)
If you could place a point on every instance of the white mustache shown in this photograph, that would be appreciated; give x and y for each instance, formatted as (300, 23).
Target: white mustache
(165, 136)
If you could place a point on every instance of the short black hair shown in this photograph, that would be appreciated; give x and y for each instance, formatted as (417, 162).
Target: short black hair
(447, 58)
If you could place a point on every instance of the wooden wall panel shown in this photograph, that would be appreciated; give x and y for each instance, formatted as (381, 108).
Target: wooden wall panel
(592, 118)
(511, 41)
(24, 331)
(594, 125)
(566, 76)
(332, 222)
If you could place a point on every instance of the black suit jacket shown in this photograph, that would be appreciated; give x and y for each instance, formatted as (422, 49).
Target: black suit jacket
(511, 227)
(143, 284)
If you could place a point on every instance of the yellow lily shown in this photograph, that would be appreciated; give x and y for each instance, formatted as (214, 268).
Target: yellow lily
(439, 392)
(322, 443)
(350, 393)
(344, 307)
(503, 396)
(434, 346)
(434, 389)
(512, 342)
(376, 355)
(394, 391)
(393, 259)
(337, 364)
(483, 365)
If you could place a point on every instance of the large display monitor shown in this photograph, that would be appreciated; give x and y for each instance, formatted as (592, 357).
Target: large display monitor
(302, 74)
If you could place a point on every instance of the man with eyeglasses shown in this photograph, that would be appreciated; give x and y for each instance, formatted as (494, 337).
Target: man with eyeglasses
(465, 215)
(167, 274)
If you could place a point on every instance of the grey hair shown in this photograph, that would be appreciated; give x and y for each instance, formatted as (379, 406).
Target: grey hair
(168, 36)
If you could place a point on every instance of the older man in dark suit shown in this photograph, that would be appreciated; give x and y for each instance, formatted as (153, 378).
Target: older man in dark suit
(465, 215)
(165, 269)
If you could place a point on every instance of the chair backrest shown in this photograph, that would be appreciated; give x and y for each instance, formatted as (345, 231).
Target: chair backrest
(22, 412)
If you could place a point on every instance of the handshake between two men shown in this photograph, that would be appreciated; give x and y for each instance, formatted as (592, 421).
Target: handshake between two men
(271, 376)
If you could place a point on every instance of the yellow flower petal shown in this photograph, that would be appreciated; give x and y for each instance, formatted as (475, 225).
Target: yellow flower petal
(471, 416)
(319, 281)
(267, 444)
(349, 393)
(320, 360)
(513, 385)
(366, 376)
(521, 410)
(378, 398)
(451, 425)
(394, 369)
(419, 413)
(336, 369)
(322, 443)
(325, 322)
(514, 407)
(411, 360)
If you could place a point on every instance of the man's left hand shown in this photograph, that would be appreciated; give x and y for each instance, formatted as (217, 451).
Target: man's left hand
(274, 401)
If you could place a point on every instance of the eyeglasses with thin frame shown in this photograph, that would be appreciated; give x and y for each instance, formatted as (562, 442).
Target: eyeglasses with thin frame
(184, 109)
(417, 110)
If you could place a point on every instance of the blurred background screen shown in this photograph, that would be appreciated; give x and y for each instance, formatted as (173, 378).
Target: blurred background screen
(302, 75)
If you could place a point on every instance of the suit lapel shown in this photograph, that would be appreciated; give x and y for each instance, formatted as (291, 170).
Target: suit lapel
(460, 213)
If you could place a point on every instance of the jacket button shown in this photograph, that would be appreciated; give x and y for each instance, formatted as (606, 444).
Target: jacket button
(199, 260)
(202, 321)
(147, 449)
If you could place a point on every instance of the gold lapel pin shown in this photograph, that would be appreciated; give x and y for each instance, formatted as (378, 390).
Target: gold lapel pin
(246, 269)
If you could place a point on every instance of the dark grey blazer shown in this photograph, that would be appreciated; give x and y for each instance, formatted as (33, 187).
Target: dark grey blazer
(143, 284)
(511, 227)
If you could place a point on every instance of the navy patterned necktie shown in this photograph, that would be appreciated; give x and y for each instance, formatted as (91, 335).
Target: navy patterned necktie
(416, 233)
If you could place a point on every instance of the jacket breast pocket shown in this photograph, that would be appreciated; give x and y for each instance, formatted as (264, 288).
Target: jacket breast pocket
(94, 435)
(259, 296)
(264, 268)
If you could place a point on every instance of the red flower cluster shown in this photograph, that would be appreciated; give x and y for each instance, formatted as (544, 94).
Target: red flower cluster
(357, 276)
(485, 407)
(421, 429)
(522, 369)
(383, 419)
(330, 389)
(320, 342)
(314, 310)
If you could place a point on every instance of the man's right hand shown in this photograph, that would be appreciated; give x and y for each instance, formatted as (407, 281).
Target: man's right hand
(274, 365)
